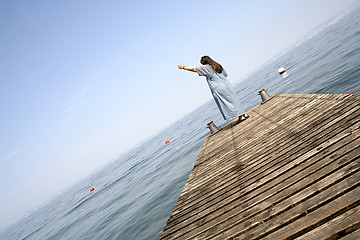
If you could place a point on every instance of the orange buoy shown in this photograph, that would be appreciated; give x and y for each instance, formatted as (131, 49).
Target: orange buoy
(166, 141)
(92, 189)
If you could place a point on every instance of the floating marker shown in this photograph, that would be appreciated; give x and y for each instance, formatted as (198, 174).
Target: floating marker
(92, 189)
(166, 141)
(282, 72)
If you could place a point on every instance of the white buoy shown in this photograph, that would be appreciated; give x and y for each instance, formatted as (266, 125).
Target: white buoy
(282, 72)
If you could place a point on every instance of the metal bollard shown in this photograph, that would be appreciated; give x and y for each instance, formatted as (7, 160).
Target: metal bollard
(264, 95)
(213, 128)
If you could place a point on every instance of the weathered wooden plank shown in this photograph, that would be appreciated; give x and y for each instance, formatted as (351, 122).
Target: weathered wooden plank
(199, 176)
(226, 174)
(267, 205)
(300, 219)
(308, 162)
(203, 209)
(312, 219)
(352, 236)
(292, 147)
(337, 227)
(278, 205)
(255, 122)
(285, 193)
(294, 124)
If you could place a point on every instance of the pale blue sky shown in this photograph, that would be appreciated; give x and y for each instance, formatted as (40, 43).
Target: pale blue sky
(82, 80)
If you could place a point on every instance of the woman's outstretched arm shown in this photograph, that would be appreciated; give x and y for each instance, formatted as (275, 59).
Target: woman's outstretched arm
(188, 68)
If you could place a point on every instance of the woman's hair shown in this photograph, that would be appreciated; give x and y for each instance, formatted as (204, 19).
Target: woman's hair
(207, 60)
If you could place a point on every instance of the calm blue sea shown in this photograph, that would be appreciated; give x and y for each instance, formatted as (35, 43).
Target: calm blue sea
(135, 194)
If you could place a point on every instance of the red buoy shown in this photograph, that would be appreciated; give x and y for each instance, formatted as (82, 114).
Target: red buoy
(92, 189)
(167, 141)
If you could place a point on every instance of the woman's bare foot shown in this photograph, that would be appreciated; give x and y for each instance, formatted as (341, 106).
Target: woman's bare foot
(242, 118)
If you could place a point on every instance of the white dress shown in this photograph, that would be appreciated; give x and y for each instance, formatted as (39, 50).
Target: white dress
(222, 91)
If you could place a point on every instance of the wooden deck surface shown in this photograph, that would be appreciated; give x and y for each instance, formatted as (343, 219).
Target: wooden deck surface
(289, 171)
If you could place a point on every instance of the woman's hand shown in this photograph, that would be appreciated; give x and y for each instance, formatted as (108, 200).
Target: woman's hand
(188, 68)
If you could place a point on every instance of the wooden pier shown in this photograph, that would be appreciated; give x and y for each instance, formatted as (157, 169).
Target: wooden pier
(289, 171)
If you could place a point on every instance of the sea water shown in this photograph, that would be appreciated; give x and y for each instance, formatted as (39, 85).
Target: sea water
(135, 194)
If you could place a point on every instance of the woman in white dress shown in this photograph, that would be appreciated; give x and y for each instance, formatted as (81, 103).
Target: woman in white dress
(220, 87)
